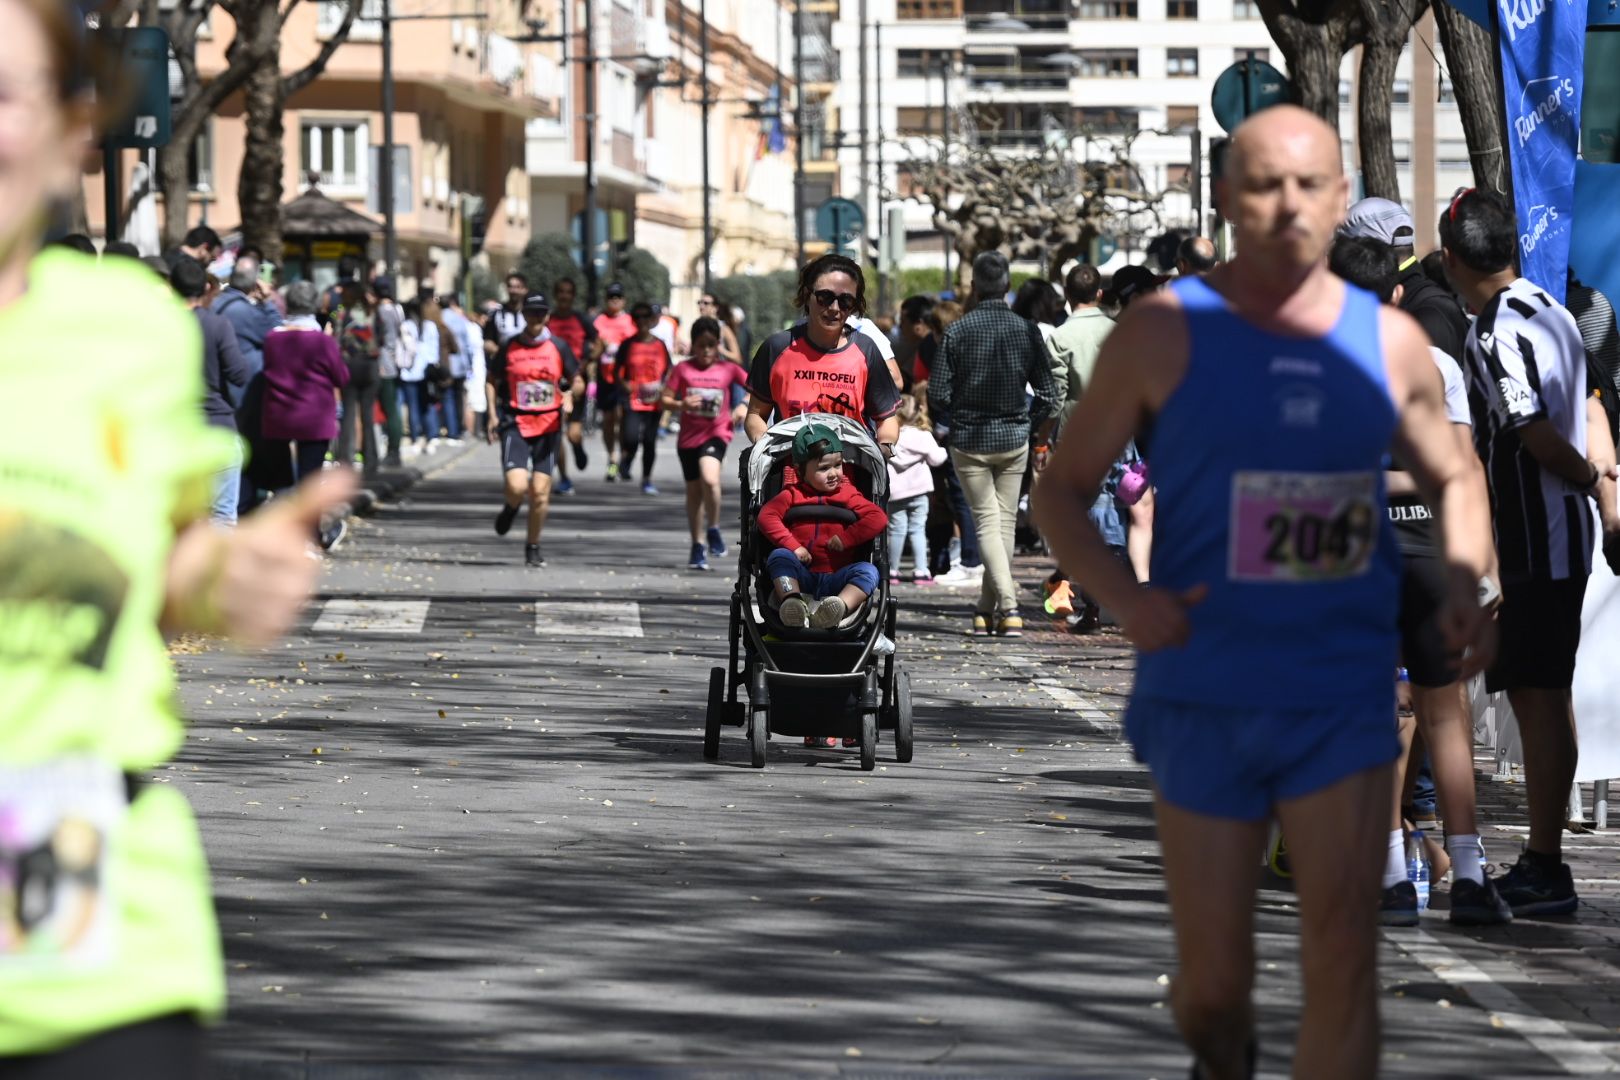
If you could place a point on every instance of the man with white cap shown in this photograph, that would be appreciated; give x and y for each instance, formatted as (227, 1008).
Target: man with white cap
(1435, 309)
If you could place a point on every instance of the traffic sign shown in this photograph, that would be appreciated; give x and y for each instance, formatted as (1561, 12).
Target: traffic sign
(145, 121)
(1244, 89)
(840, 221)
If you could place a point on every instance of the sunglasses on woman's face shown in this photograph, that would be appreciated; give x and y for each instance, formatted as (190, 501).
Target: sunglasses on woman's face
(827, 298)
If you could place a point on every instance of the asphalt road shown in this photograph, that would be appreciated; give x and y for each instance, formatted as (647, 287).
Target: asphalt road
(460, 826)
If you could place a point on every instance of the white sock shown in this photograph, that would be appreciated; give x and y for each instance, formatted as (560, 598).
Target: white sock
(1395, 859)
(1464, 851)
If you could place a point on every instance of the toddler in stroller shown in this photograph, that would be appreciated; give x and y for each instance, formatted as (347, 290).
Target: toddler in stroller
(817, 580)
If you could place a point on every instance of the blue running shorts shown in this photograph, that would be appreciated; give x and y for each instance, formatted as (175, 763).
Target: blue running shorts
(1238, 763)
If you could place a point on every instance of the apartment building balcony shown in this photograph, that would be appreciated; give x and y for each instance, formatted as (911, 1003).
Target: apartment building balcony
(1017, 17)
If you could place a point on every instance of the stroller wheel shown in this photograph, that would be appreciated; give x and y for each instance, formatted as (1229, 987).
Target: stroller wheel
(758, 735)
(869, 737)
(715, 715)
(902, 716)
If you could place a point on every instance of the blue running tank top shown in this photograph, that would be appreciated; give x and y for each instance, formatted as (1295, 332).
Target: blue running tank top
(1267, 463)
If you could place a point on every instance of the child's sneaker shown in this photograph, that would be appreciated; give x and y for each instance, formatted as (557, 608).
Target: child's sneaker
(816, 742)
(698, 561)
(1059, 599)
(922, 577)
(794, 612)
(894, 578)
(828, 614)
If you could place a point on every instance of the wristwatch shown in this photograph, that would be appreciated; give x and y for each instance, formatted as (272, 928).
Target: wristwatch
(1490, 593)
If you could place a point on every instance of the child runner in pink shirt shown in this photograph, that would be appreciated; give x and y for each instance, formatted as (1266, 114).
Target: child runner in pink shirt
(701, 390)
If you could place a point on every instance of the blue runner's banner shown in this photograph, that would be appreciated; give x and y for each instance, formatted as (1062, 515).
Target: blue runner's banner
(1543, 43)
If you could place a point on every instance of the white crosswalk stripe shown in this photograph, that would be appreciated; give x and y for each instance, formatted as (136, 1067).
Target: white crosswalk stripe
(372, 617)
(570, 618)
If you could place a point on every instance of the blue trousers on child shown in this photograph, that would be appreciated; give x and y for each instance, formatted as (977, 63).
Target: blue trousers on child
(782, 563)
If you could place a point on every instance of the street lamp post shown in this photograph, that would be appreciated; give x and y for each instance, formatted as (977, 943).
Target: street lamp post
(587, 228)
(798, 126)
(385, 167)
(703, 79)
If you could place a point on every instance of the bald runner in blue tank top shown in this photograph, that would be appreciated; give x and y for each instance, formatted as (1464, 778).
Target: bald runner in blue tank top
(1268, 464)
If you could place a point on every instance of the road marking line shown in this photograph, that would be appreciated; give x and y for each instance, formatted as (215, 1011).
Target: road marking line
(573, 619)
(372, 617)
(1575, 1055)
(1089, 710)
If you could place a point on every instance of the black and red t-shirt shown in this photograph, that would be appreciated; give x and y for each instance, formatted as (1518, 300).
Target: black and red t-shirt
(613, 330)
(643, 366)
(530, 380)
(575, 330)
(796, 376)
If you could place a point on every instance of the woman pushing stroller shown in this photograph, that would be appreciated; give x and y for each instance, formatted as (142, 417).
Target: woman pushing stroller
(818, 556)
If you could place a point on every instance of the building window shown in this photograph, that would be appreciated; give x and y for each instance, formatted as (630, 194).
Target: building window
(334, 154)
(929, 9)
(1107, 64)
(200, 159)
(1108, 9)
(1452, 154)
(1262, 55)
(1181, 63)
(1245, 9)
(1107, 121)
(1181, 9)
(1403, 151)
(1403, 91)
(1181, 118)
(1177, 176)
(922, 63)
(913, 121)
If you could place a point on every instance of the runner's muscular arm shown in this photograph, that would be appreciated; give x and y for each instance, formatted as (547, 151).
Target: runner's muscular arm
(1427, 444)
(758, 420)
(1139, 365)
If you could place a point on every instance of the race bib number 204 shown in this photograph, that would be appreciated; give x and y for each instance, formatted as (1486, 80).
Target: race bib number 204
(1302, 527)
(56, 821)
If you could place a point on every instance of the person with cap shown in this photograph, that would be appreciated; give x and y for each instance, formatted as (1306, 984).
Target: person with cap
(816, 576)
(529, 382)
(1132, 282)
(984, 362)
(1436, 309)
(614, 327)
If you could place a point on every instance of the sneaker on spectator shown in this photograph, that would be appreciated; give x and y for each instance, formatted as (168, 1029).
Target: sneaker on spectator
(922, 577)
(1399, 906)
(1059, 599)
(1531, 889)
(962, 576)
(1010, 624)
(981, 624)
(1478, 905)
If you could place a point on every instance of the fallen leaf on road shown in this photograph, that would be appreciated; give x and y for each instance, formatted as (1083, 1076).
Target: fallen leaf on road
(852, 1051)
(441, 714)
(929, 1020)
(303, 881)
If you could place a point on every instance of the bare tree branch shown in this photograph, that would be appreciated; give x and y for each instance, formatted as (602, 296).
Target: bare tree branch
(312, 71)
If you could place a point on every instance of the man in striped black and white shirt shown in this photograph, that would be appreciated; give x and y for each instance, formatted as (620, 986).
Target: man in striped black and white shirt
(1527, 374)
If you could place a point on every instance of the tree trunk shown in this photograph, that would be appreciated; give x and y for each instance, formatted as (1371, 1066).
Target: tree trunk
(1471, 58)
(1377, 80)
(174, 184)
(258, 188)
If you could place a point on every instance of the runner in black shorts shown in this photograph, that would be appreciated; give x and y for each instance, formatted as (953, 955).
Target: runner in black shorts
(701, 391)
(1443, 718)
(530, 380)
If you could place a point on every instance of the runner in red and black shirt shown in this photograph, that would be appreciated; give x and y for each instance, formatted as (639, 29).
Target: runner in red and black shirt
(644, 364)
(578, 333)
(614, 326)
(822, 366)
(530, 379)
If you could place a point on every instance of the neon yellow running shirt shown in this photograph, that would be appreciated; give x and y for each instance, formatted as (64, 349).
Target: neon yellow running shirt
(105, 912)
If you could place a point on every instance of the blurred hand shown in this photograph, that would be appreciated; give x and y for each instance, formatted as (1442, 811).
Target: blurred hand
(265, 573)
(1470, 630)
(1157, 618)
(802, 554)
(836, 543)
(492, 434)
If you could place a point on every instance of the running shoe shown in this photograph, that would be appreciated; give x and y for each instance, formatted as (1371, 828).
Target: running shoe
(717, 543)
(1399, 906)
(981, 625)
(612, 472)
(1059, 599)
(1278, 860)
(923, 578)
(794, 612)
(818, 743)
(828, 614)
(581, 458)
(565, 486)
(850, 744)
(532, 556)
(334, 534)
(1010, 625)
(1478, 905)
(647, 488)
(894, 579)
(504, 519)
(698, 561)
(1529, 889)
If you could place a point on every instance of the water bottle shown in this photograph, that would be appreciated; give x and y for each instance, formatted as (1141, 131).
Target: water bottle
(1417, 868)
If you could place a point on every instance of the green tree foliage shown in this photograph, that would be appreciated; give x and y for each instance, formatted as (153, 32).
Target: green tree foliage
(644, 278)
(548, 258)
(767, 299)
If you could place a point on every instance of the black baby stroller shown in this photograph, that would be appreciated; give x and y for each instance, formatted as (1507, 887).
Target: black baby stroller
(803, 682)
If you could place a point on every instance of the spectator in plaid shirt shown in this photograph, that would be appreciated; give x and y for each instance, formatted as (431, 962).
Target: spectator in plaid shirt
(977, 390)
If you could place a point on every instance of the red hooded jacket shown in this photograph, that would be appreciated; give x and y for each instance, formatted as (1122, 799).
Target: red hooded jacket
(813, 535)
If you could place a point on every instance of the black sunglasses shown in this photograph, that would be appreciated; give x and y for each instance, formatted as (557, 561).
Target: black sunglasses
(827, 298)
